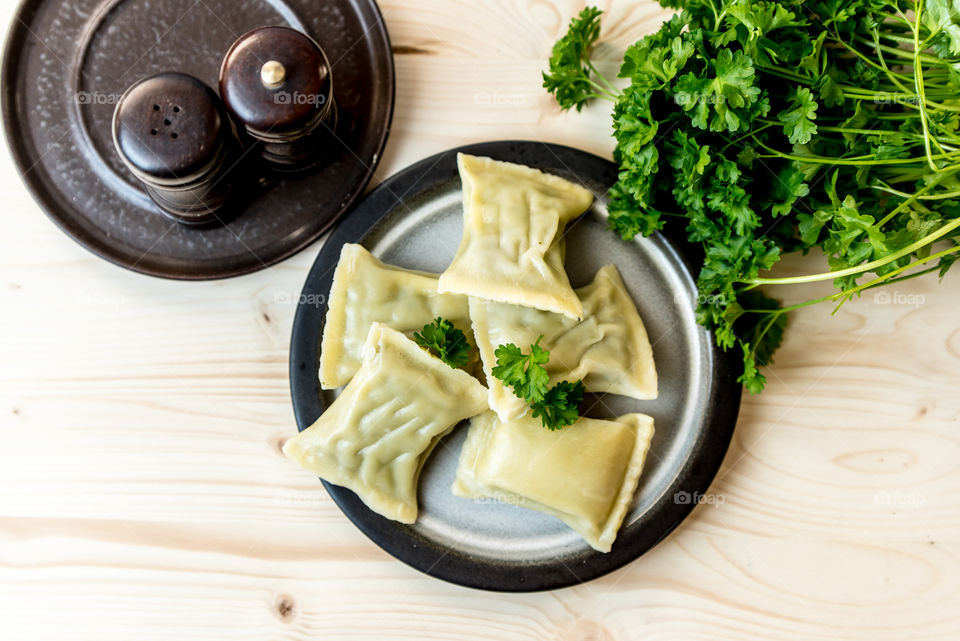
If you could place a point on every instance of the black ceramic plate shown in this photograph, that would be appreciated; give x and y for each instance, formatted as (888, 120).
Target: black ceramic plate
(66, 64)
(414, 220)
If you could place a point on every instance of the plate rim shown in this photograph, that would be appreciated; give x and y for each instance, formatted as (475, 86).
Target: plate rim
(16, 34)
(423, 554)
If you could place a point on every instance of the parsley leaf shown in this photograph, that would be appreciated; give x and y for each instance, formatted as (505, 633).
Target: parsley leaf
(557, 406)
(944, 15)
(760, 18)
(628, 217)
(717, 100)
(445, 341)
(635, 128)
(560, 405)
(523, 372)
(655, 60)
(798, 121)
(788, 187)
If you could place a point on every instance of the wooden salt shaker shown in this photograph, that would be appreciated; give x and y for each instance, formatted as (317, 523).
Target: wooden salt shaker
(172, 131)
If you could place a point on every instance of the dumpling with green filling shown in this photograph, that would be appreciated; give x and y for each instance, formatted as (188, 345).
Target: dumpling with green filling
(584, 474)
(367, 291)
(511, 249)
(377, 434)
(608, 350)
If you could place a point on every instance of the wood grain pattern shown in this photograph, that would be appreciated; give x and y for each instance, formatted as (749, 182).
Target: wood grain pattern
(143, 494)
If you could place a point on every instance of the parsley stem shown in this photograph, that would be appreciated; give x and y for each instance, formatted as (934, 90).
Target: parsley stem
(848, 294)
(859, 269)
(848, 130)
(790, 308)
(902, 194)
(913, 198)
(910, 276)
(613, 91)
(904, 53)
(882, 65)
(904, 98)
(856, 161)
(899, 116)
(768, 123)
(884, 280)
(758, 337)
(717, 17)
(601, 96)
(918, 83)
(601, 91)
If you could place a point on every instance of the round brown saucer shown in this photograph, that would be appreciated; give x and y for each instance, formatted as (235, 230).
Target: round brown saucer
(67, 63)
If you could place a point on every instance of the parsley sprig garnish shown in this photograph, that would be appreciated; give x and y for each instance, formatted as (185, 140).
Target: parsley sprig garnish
(560, 405)
(570, 67)
(557, 406)
(523, 372)
(768, 127)
(445, 341)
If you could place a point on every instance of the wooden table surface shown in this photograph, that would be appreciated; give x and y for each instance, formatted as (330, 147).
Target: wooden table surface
(143, 494)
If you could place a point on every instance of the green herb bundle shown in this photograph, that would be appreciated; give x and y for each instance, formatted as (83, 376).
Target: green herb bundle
(770, 127)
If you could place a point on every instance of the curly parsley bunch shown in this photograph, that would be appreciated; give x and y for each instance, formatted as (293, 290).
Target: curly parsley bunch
(771, 127)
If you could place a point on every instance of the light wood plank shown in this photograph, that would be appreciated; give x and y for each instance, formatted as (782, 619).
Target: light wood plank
(143, 494)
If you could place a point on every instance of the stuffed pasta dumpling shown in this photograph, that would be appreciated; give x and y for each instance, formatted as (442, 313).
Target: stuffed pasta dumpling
(513, 222)
(584, 474)
(375, 437)
(608, 350)
(366, 291)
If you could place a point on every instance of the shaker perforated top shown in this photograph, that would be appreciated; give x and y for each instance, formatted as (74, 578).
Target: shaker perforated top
(169, 126)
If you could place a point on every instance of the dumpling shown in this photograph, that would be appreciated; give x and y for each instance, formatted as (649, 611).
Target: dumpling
(511, 249)
(375, 437)
(366, 291)
(584, 474)
(608, 350)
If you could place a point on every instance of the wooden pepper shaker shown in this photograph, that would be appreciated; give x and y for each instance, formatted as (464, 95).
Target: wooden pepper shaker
(172, 131)
(277, 84)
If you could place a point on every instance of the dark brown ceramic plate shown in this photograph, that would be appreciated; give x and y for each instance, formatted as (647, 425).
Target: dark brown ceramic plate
(67, 63)
(492, 545)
